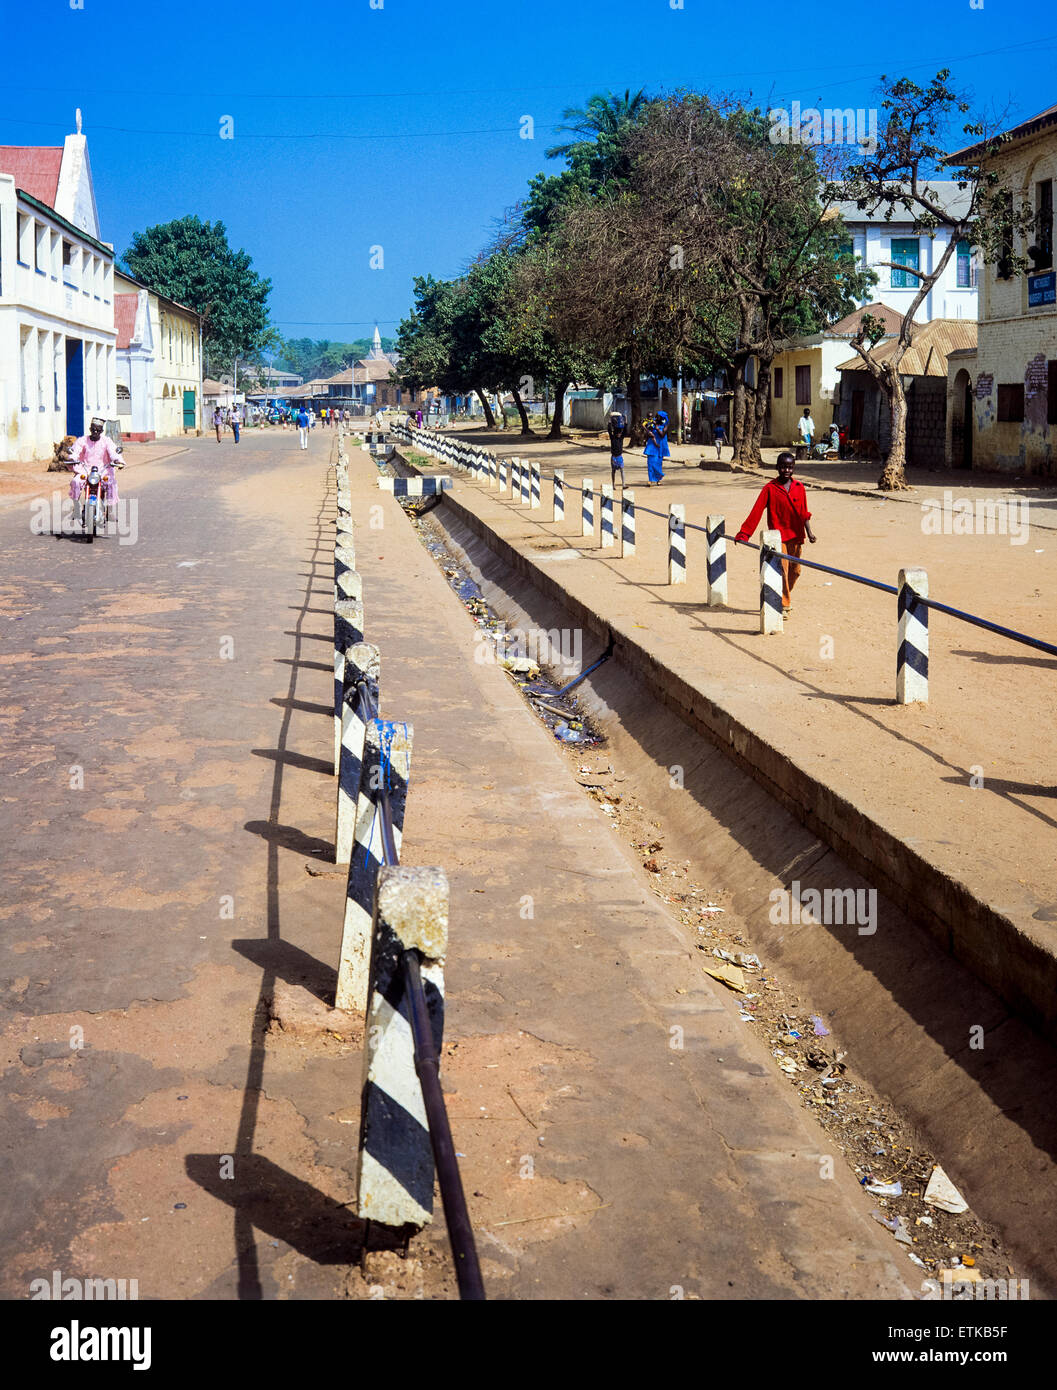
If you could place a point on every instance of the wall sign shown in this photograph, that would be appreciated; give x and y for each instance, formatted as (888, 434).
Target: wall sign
(1042, 289)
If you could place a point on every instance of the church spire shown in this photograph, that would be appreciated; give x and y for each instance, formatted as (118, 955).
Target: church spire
(376, 345)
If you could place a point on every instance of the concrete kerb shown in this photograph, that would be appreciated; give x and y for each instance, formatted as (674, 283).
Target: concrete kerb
(990, 944)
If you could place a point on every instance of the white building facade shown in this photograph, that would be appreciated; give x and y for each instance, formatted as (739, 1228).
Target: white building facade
(954, 296)
(57, 334)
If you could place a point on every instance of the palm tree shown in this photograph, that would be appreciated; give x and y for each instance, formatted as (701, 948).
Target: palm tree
(605, 119)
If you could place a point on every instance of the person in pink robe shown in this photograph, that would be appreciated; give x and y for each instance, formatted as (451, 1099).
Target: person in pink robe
(97, 448)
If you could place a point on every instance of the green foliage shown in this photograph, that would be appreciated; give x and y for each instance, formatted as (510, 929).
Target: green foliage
(190, 261)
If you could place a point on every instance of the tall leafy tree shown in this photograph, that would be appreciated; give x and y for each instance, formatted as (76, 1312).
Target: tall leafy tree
(899, 177)
(190, 261)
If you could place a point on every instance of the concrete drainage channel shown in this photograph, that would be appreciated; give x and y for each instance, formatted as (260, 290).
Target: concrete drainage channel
(906, 1059)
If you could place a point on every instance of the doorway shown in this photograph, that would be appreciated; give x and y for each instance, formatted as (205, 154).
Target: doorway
(858, 407)
(74, 387)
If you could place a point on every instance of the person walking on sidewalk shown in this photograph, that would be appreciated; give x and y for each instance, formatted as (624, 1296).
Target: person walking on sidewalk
(218, 421)
(616, 429)
(302, 426)
(656, 447)
(787, 513)
(236, 422)
(719, 437)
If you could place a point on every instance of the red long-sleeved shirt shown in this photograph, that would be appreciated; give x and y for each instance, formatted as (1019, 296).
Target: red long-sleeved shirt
(786, 511)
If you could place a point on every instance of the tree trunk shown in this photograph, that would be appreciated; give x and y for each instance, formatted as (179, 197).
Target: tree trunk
(559, 410)
(636, 434)
(526, 428)
(759, 412)
(489, 418)
(893, 476)
(738, 413)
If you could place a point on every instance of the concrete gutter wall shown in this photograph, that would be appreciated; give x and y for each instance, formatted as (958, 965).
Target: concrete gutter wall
(987, 942)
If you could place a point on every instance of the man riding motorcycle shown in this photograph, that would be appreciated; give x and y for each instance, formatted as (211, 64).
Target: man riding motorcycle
(98, 449)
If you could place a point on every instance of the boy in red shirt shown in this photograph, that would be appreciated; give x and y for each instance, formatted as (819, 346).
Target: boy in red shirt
(787, 513)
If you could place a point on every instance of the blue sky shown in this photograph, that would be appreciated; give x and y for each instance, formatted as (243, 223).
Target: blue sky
(399, 126)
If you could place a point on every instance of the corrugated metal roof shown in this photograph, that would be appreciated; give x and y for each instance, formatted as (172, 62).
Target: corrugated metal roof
(927, 353)
(952, 199)
(848, 326)
(35, 169)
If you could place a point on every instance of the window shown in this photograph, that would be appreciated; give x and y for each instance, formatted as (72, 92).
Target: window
(904, 252)
(803, 385)
(1043, 249)
(966, 278)
(1011, 402)
(40, 250)
(777, 377)
(25, 239)
(58, 367)
(69, 266)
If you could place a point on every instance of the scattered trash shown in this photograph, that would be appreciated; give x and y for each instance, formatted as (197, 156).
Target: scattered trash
(652, 865)
(179, 1206)
(883, 1189)
(920, 1263)
(942, 1193)
(748, 962)
(901, 1233)
(821, 1031)
(787, 1064)
(923, 1221)
(566, 734)
(727, 974)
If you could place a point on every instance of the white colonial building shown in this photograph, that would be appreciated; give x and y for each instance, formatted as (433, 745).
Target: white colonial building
(57, 335)
(159, 362)
(954, 295)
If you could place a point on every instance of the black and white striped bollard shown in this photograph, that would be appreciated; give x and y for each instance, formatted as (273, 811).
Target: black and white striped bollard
(348, 630)
(587, 506)
(605, 520)
(534, 484)
(912, 664)
(526, 483)
(676, 543)
(627, 523)
(716, 537)
(559, 494)
(362, 663)
(396, 1170)
(771, 619)
(386, 762)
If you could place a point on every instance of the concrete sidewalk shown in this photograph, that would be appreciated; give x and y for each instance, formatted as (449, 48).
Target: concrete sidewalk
(947, 807)
(601, 1160)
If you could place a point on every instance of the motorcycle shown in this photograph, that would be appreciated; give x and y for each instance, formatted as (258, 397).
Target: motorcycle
(96, 498)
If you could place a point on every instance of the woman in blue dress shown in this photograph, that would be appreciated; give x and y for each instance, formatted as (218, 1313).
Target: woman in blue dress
(656, 446)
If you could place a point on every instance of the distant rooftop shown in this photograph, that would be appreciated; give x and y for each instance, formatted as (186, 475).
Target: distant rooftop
(954, 201)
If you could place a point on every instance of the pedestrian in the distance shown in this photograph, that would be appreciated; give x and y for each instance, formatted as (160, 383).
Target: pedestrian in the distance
(719, 437)
(787, 513)
(418, 418)
(656, 448)
(302, 425)
(236, 421)
(807, 427)
(616, 429)
(218, 421)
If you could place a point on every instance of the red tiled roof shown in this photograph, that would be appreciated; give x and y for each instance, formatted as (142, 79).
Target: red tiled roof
(125, 306)
(35, 168)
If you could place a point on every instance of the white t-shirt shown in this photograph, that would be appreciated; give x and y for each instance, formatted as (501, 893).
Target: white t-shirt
(807, 427)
